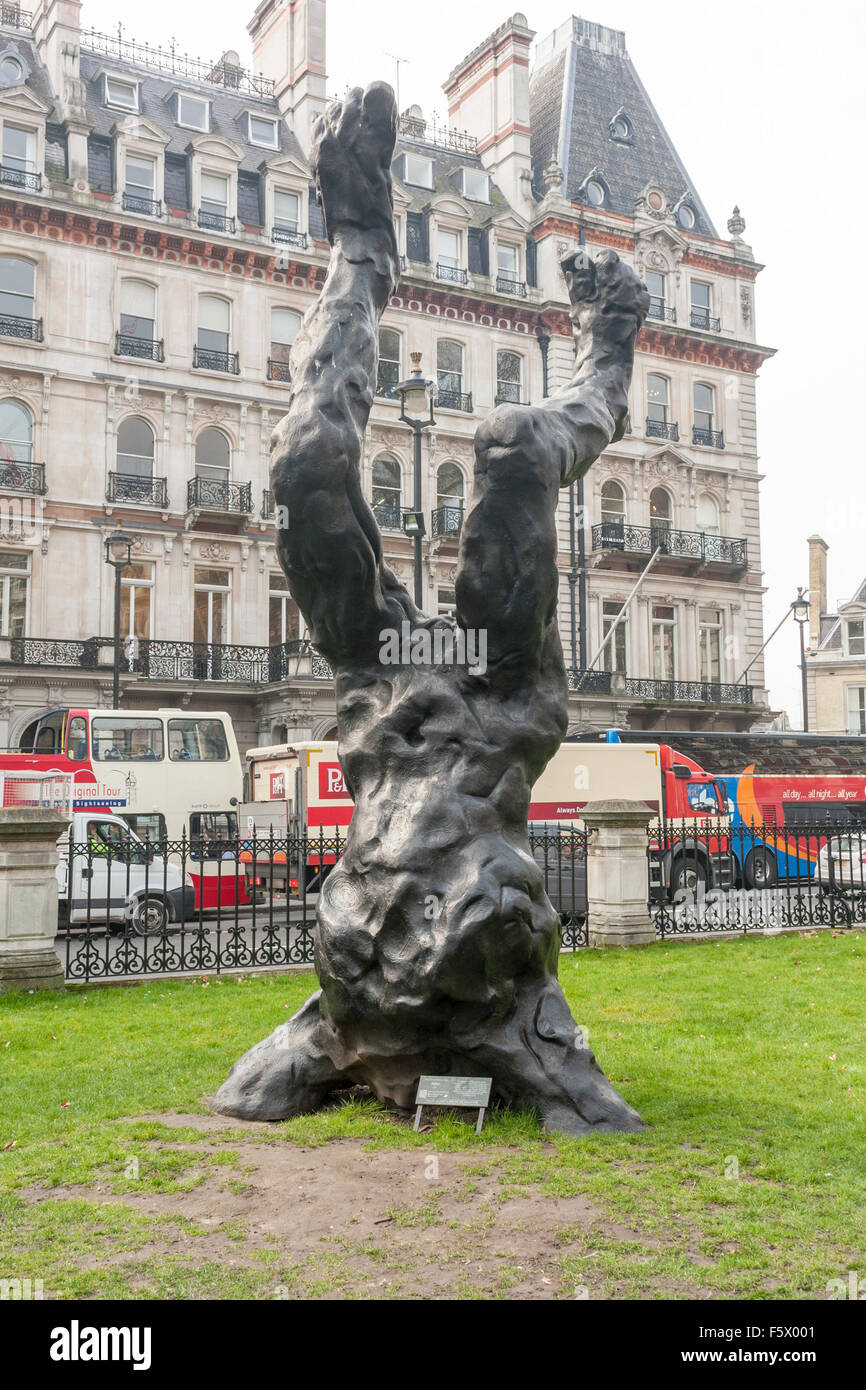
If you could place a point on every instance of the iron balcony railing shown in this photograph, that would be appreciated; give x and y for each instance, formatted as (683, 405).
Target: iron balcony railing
(149, 207)
(20, 178)
(289, 236)
(711, 439)
(662, 429)
(278, 371)
(453, 273)
(268, 505)
(432, 133)
(207, 494)
(216, 221)
(689, 545)
(154, 659)
(15, 326)
(589, 682)
(15, 17)
(146, 349)
(16, 476)
(701, 318)
(195, 661)
(131, 487)
(289, 660)
(208, 360)
(454, 400)
(389, 515)
(659, 310)
(170, 60)
(506, 285)
(51, 651)
(446, 521)
(688, 692)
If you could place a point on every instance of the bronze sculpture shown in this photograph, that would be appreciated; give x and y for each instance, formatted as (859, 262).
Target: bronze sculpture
(436, 946)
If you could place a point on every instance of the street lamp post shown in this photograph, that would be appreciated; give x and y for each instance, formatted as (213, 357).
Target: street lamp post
(118, 554)
(417, 394)
(800, 609)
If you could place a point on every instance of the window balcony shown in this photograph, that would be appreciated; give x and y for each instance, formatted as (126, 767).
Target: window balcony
(17, 476)
(659, 310)
(20, 178)
(289, 236)
(14, 326)
(688, 692)
(216, 222)
(145, 349)
(389, 515)
(709, 439)
(506, 285)
(698, 547)
(447, 521)
(701, 318)
(210, 495)
(132, 487)
(207, 360)
(454, 400)
(589, 682)
(452, 273)
(148, 207)
(279, 371)
(663, 429)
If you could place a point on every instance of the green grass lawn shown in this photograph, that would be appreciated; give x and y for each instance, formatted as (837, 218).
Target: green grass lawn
(745, 1057)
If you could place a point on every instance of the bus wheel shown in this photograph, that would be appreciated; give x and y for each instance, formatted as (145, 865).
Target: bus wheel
(688, 874)
(760, 869)
(150, 917)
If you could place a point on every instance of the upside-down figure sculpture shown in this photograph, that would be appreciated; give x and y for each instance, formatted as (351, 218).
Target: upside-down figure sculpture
(439, 760)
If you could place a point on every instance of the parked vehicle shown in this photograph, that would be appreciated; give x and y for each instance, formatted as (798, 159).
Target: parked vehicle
(776, 822)
(107, 875)
(841, 865)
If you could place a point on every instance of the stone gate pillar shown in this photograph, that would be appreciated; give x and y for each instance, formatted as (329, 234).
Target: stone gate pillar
(617, 882)
(28, 898)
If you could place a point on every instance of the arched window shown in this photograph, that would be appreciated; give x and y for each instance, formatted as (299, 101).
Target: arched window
(612, 501)
(708, 514)
(11, 71)
(658, 397)
(213, 456)
(450, 492)
(449, 373)
(595, 192)
(135, 448)
(389, 362)
(214, 335)
(138, 311)
(661, 509)
(16, 433)
(387, 491)
(704, 405)
(17, 295)
(509, 377)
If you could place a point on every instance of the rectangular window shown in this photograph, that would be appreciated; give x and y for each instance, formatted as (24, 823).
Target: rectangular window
(136, 601)
(120, 93)
(664, 642)
(476, 185)
(710, 642)
(131, 740)
(284, 619)
(211, 617)
(701, 296)
(287, 210)
(148, 826)
(509, 377)
(857, 709)
(448, 253)
(284, 329)
(13, 593)
(615, 653)
(417, 170)
(19, 149)
(389, 363)
(856, 637)
(215, 194)
(193, 112)
(264, 132)
(214, 324)
(449, 366)
(140, 176)
(17, 288)
(197, 741)
(137, 310)
(508, 261)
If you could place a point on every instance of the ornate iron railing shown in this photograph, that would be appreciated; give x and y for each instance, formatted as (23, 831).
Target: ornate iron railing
(15, 17)
(285, 661)
(447, 521)
(150, 207)
(16, 476)
(15, 326)
(279, 371)
(146, 349)
(454, 274)
(662, 429)
(589, 682)
(195, 661)
(700, 318)
(21, 178)
(207, 494)
(208, 360)
(454, 400)
(432, 133)
(51, 651)
(688, 692)
(216, 221)
(169, 59)
(131, 487)
(659, 310)
(688, 545)
(506, 285)
(389, 515)
(710, 439)
(288, 237)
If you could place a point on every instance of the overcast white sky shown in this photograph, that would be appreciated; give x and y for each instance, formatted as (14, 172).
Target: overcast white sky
(764, 101)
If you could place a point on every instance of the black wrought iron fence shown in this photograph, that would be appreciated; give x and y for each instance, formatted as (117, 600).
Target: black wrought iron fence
(132, 906)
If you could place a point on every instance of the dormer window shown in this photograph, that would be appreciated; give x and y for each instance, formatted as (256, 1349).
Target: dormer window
(475, 184)
(855, 629)
(263, 131)
(121, 93)
(620, 127)
(193, 112)
(595, 193)
(686, 216)
(418, 170)
(11, 71)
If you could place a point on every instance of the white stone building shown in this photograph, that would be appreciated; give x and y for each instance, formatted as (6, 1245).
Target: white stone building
(159, 243)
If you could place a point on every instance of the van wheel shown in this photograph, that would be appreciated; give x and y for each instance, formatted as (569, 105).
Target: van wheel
(150, 917)
(690, 874)
(760, 869)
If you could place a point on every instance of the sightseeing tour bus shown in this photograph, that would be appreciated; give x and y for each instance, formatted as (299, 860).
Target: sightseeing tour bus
(170, 773)
(777, 821)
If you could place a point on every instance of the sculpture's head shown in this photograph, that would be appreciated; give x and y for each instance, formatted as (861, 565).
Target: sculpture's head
(608, 279)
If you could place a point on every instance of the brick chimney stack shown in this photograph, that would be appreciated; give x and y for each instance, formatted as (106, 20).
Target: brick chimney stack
(488, 96)
(817, 587)
(289, 47)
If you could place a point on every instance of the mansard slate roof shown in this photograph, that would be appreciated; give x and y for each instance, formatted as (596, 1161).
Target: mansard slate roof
(228, 109)
(36, 79)
(573, 98)
(831, 623)
(446, 167)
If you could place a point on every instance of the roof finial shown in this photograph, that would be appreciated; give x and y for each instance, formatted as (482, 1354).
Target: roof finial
(736, 224)
(553, 175)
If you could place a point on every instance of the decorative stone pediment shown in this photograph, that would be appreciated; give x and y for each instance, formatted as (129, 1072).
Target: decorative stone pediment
(666, 463)
(21, 100)
(659, 248)
(447, 205)
(141, 129)
(287, 165)
(509, 222)
(216, 147)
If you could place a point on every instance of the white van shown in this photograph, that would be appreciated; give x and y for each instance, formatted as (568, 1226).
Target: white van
(108, 877)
